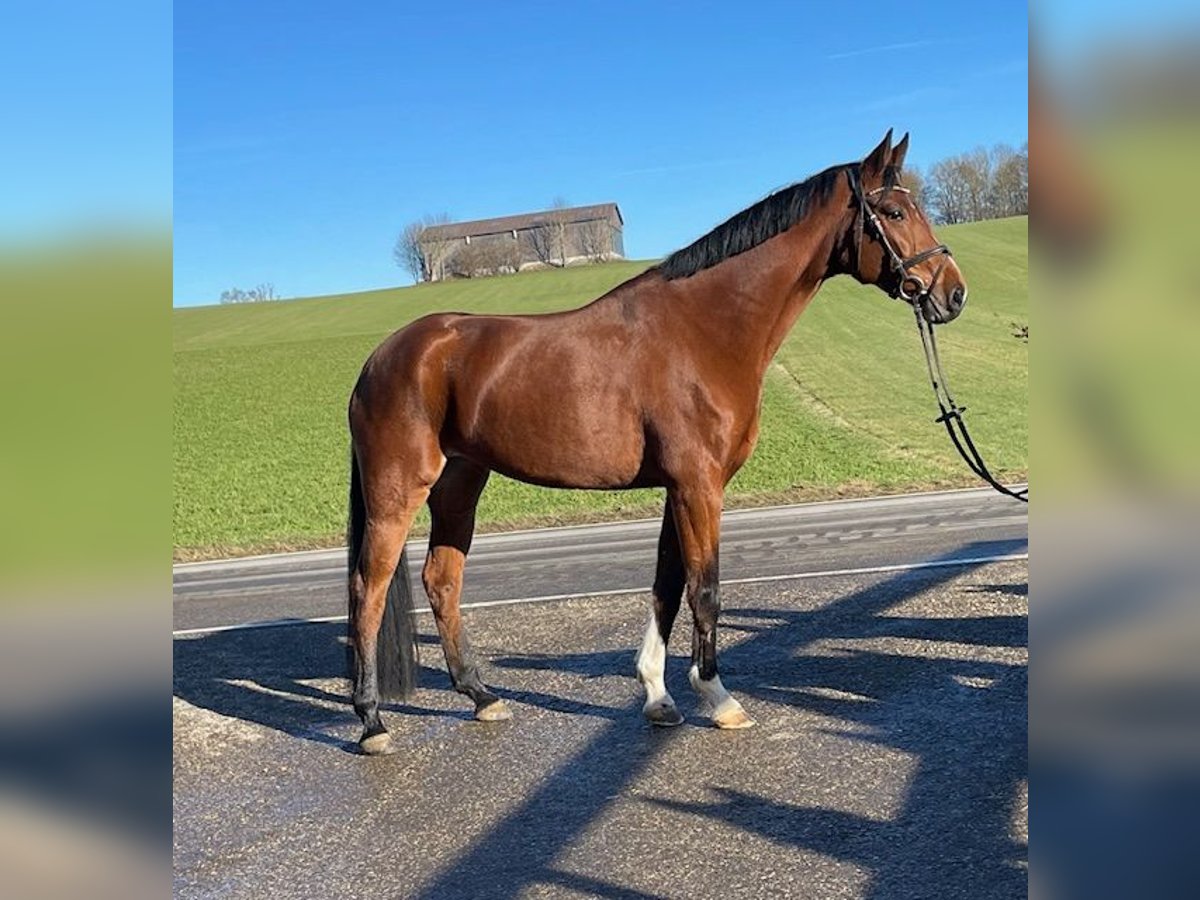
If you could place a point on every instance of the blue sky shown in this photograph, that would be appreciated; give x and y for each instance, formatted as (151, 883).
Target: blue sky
(308, 134)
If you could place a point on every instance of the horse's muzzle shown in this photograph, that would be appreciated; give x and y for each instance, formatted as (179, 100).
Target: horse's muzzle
(940, 310)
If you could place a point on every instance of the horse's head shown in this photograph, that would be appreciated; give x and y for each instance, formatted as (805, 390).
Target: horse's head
(895, 246)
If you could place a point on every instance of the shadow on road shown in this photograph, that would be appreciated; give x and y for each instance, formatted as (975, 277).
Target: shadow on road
(952, 837)
(963, 721)
(261, 676)
(960, 717)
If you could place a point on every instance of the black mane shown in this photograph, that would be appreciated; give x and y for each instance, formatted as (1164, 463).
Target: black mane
(768, 217)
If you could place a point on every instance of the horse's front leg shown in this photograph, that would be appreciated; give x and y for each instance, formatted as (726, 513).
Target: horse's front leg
(697, 511)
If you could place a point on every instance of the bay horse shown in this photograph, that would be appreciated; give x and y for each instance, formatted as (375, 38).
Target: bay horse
(658, 383)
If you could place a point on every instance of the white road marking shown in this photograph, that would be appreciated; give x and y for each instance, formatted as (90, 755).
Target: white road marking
(620, 592)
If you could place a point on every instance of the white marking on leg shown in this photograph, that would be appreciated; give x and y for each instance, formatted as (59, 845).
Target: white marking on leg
(712, 691)
(652, 665)
(725, 710)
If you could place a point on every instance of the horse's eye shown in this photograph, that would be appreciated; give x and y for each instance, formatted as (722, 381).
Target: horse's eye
(896, 214)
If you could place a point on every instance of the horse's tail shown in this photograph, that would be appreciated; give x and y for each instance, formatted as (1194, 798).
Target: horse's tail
(396, 650)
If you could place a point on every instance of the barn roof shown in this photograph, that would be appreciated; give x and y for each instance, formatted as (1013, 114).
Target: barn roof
(573, 214)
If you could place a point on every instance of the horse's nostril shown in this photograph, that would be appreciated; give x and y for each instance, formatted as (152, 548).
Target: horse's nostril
(958, 297)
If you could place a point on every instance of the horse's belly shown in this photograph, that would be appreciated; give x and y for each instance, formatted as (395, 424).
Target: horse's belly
(542, 443)
(562, 459)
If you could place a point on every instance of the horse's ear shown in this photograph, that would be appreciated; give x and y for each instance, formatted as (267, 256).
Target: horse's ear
(898, 153)
(879, 157)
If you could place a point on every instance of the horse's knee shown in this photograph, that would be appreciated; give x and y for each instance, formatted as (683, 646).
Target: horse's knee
(433, 576)
(442, 577)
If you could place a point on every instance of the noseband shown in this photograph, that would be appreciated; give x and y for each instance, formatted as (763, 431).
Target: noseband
(952, 413)
(909, 286)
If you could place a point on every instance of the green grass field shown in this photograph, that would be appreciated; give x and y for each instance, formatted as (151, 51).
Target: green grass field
(261, 449)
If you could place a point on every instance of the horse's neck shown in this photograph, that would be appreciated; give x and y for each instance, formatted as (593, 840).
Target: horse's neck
(764, 290)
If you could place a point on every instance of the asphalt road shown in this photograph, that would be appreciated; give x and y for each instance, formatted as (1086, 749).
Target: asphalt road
(884, 660)
(771, 542)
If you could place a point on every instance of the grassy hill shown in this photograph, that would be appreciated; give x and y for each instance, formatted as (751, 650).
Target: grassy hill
(260, 459)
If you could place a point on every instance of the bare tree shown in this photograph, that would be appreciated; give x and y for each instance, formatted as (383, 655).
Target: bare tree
(1010, 181)
(975, 170)
(595, 239)
(466, 261)
(264, 292)
(420, 255)
(915, 182)
(437, 255)
(510, 254)
(560, 221)
(918, 188)
(541, 242)
(407, 251)
(548, 238)
(958, 187)
(946, 202)
(487, 255)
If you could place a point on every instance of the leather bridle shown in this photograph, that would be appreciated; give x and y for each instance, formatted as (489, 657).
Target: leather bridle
(908, 285)
(952, 413)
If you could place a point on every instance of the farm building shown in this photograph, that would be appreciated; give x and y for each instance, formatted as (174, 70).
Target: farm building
(553, 237)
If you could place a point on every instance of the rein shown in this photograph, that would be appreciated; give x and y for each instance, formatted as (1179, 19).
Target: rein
(952, 413)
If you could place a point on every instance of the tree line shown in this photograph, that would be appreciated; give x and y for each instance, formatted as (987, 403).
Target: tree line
(970, 187)
(260, 294)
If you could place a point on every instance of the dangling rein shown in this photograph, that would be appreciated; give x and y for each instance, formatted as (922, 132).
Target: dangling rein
(952, 413)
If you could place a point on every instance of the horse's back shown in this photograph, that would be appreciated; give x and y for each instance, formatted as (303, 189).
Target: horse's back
(549, 399)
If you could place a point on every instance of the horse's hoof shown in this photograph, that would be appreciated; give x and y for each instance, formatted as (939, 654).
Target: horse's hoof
(496, 711)
(733, 718)
(378, 744)
(663, 714)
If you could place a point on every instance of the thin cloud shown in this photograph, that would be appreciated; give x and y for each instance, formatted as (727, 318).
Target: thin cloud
(883, 48)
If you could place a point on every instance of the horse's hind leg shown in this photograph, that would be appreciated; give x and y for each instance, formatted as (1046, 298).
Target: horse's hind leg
(652, 659)
(698, 517)
(452, 505)
(393, 497)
